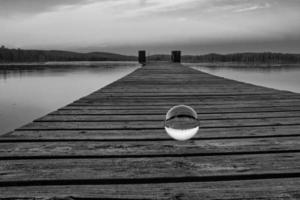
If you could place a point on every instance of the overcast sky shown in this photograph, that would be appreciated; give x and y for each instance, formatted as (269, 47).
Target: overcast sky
(124, 26)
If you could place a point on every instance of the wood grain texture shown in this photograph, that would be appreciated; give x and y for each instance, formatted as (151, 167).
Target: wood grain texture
(155, 134)
(283, 189)
(200, 168)
(148, 148)
(111, 144)
(159, 124)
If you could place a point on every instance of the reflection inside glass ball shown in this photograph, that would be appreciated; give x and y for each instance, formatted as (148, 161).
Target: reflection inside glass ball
(181, 122)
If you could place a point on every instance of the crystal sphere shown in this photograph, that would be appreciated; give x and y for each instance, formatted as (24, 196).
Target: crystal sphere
(181, 122)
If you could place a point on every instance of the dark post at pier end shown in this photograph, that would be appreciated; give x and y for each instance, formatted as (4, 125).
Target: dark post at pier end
(176, 56)
(142, 57)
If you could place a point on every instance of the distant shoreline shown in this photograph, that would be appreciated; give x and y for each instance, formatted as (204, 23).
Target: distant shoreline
(243, 65)
(92, 64)
(63, 65)
(20, 55)
(53, 63)
(8, 56)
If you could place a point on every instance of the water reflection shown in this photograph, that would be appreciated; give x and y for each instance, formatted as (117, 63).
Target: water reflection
(282, 77)
(35, 90)
(57, 68)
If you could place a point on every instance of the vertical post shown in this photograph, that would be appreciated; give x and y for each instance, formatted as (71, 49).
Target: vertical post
(176, 56)
(142, 57)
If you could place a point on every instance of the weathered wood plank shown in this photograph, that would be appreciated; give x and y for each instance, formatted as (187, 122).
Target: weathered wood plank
(265, 189)
(147, 148)
(156, 134)
(200, 97)
(210, 110)
(192, 89)
(201, 168)
(160, 103)
(145, 117)
(159, 134)
(228, 100)
(131, 124)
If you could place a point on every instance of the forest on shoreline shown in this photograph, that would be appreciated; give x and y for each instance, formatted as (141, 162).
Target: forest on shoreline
(19, 55)
(248, 58)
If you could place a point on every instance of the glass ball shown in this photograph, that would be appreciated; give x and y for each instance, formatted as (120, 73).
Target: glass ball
(181, 122)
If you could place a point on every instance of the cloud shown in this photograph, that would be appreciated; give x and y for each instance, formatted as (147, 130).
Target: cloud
(189, 8)
(148, 7)
(253, 7)
(10, 8)
(116, 23)
(134, 8)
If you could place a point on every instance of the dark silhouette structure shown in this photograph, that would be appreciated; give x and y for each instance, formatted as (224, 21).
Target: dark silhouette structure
(142, 56)
(176, 56)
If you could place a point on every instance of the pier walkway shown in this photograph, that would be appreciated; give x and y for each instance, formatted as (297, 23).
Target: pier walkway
(112, 144)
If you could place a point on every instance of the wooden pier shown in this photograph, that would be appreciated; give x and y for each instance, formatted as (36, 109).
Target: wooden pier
(112, 144)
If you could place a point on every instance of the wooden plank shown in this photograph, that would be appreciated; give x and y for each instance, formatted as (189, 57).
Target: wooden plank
(145, 117)
(147, 106)
(159, 134)
(190, 103)
(203, 98)
(202, 168)
(191, 89)
(265, 189)
(240, 132)
(131, 124)
(210, 110)
(147, 148)
(169, 102)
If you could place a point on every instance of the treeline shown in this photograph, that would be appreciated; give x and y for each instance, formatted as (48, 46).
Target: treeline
(271, 58)
(20, 55)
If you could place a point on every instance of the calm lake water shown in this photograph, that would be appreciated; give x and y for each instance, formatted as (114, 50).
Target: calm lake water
(30, 93)
(278, 77)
